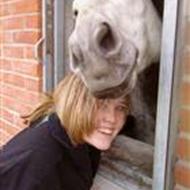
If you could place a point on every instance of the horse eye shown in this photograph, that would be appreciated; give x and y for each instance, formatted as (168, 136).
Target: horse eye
(75, 13)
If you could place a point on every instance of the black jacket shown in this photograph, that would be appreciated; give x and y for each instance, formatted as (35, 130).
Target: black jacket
(42, 157)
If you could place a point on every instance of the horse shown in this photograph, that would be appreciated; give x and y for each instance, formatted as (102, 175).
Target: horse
(115, 48)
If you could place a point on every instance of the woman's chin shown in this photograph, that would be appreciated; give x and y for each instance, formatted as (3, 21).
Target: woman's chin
(99, 141)
(102, 146)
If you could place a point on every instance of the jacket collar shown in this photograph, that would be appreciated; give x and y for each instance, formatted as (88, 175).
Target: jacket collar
(79, 154)
(58, 131)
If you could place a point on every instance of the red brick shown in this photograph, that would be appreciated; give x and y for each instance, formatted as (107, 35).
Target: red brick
(13, 52)
(7, 115)
(29, 52)
(5, 65)
(0, 52)
(182, 175)
(9, 129)
(1, 86)
(15, 105)
(31, 69)
(9, 90)
(14, 23)
(186, 63)
(1, 9)
(183, 149)
(12, 131)
(1, 36)
(14, 79)
(34, 21)
(24, 6)
(33, 85)
(9, 103)
(1, 76)
(30, 37)
(21, 6)
(7, 37)
(23, 82)
(30, 98)
(184, 124)
(2, 1)
(23, 108)
(5, 10)
(185, 94)
(1, 27)
(23, 96)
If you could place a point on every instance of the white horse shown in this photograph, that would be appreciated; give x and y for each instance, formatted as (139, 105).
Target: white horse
(112, 43)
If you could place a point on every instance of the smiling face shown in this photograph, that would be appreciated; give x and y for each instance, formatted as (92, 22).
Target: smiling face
(109, 118)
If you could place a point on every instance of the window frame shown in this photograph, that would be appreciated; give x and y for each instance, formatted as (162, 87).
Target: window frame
(167, 110)
(166, 127)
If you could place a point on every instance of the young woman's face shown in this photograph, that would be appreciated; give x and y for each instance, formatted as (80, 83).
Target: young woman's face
(109, 118)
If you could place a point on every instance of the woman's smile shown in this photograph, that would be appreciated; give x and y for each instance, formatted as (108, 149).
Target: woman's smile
(105, 131)
(109, 118)
(108, 130)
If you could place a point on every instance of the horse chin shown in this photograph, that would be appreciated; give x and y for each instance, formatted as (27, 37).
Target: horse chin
(124, 88)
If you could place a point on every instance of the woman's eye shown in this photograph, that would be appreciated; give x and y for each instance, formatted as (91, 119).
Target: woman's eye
(121, 108)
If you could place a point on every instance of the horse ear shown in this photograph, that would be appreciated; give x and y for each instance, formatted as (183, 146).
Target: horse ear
(159, 4)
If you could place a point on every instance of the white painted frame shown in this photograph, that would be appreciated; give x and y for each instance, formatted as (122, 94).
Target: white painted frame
(166, 123)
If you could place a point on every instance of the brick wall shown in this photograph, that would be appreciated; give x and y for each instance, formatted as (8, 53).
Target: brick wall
(20, 69)
(21, 77)
(182, 169)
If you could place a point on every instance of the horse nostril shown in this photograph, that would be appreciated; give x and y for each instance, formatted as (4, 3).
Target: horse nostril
(76, 58)
(105, 38)
(74, 61)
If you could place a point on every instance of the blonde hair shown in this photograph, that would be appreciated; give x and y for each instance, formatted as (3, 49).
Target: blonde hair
(74, 105)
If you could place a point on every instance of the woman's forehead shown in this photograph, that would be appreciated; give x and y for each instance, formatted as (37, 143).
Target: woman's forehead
(120, 100)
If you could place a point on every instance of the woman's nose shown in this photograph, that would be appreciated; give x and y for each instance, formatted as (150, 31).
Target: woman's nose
(110, 116)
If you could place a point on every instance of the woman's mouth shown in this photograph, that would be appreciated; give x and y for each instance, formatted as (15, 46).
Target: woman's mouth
(106, 131)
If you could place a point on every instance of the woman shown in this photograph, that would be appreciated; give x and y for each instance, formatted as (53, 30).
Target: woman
(61, 148)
